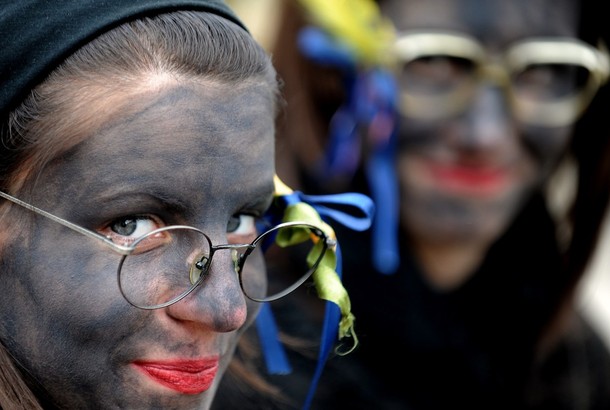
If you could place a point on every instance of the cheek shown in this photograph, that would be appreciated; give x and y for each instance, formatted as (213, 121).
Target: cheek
(61, 316)
(253, 311)
(546, 145)
(33, 309)
(414, 133)
(58, 287)
(254, 282)
(76, 272)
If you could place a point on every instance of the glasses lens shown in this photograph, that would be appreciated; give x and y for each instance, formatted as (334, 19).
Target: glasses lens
(437, 74)
(165, 265)
(549, 82)
(291, 253)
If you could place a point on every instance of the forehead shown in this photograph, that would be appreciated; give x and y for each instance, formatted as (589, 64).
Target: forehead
(492, 21)
(208, 120)
(186, 137)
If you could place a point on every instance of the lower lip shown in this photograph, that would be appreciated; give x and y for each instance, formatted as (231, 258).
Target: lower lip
(468, 180)
(187, 377)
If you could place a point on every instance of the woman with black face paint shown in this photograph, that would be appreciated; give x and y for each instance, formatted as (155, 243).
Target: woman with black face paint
(136, 174)
(464, 289)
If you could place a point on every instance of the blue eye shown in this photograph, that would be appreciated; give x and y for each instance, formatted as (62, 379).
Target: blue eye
(242, 226)
(128, 229)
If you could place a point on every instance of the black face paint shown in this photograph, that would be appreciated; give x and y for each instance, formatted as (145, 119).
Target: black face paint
(190, 155)
(464, 177)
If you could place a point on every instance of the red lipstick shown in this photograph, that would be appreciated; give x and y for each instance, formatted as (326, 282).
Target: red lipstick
(183, 376)
(475, 180)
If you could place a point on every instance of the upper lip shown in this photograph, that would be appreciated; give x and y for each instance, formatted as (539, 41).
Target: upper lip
(474, 173)
(189, 376)
(476, 178)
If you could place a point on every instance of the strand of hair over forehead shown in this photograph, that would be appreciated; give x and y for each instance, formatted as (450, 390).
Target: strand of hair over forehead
(242, 47)
(182, 42)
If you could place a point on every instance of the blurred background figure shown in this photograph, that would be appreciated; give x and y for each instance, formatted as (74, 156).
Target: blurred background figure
(479, 129)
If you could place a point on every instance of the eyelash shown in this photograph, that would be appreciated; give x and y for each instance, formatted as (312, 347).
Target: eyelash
(133, 223)
(241, 228)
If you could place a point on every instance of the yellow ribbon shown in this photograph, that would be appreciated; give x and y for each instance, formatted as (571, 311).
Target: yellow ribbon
(356, 23)
(326, 280)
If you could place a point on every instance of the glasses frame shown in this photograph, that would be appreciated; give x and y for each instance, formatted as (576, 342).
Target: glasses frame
(125, 251)
(411, 45)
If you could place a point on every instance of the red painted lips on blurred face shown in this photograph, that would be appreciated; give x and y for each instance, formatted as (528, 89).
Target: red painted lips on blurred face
(474, 180)
(184, 376)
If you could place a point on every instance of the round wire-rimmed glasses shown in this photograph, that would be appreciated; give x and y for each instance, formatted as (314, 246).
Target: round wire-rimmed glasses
(292, 251)
(146, 280)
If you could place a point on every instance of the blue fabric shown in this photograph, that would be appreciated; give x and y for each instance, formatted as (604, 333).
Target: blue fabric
(384, 243)
(367, 118)
(273, 351)
(359, 218)
(371, 102)
(380, 114)
(358, 203)
(332, 315)
(319, 47)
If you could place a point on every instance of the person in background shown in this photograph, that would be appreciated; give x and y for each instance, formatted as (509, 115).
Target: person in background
(136, 179)
(461, 125)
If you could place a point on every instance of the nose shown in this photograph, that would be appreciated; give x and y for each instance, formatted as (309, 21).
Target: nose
(488, 120)
(218, 303)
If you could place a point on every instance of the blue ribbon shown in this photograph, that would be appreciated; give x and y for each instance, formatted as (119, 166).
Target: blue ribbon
(328, 338)
(273, 351)
(316, 45)
(379, 112)
(371, 105)
(323, 204)
(359, 219)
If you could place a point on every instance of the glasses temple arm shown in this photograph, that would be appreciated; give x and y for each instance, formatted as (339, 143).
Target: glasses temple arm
(123, 250)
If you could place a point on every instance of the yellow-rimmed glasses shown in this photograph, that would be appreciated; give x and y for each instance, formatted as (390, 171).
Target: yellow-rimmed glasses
(165, 265)
(549, 81)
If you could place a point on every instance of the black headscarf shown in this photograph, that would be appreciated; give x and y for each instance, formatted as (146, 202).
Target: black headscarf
(37, 35)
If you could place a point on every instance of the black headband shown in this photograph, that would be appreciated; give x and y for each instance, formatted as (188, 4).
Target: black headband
(37, 35)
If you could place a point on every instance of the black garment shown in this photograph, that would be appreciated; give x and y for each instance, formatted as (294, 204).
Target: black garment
(576, 375)
(472, 348)
(469, 346)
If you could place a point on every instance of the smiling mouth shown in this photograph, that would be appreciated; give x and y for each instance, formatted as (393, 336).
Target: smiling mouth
(183, 376)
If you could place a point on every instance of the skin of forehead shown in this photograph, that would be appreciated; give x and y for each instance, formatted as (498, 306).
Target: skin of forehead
(207, 137)
(195, 145)
(494, 21)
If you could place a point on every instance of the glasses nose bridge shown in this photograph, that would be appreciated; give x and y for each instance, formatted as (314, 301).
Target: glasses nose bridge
(493, 77)
(215, 248)
(202, 263)
(494, 72)
(236, 257)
